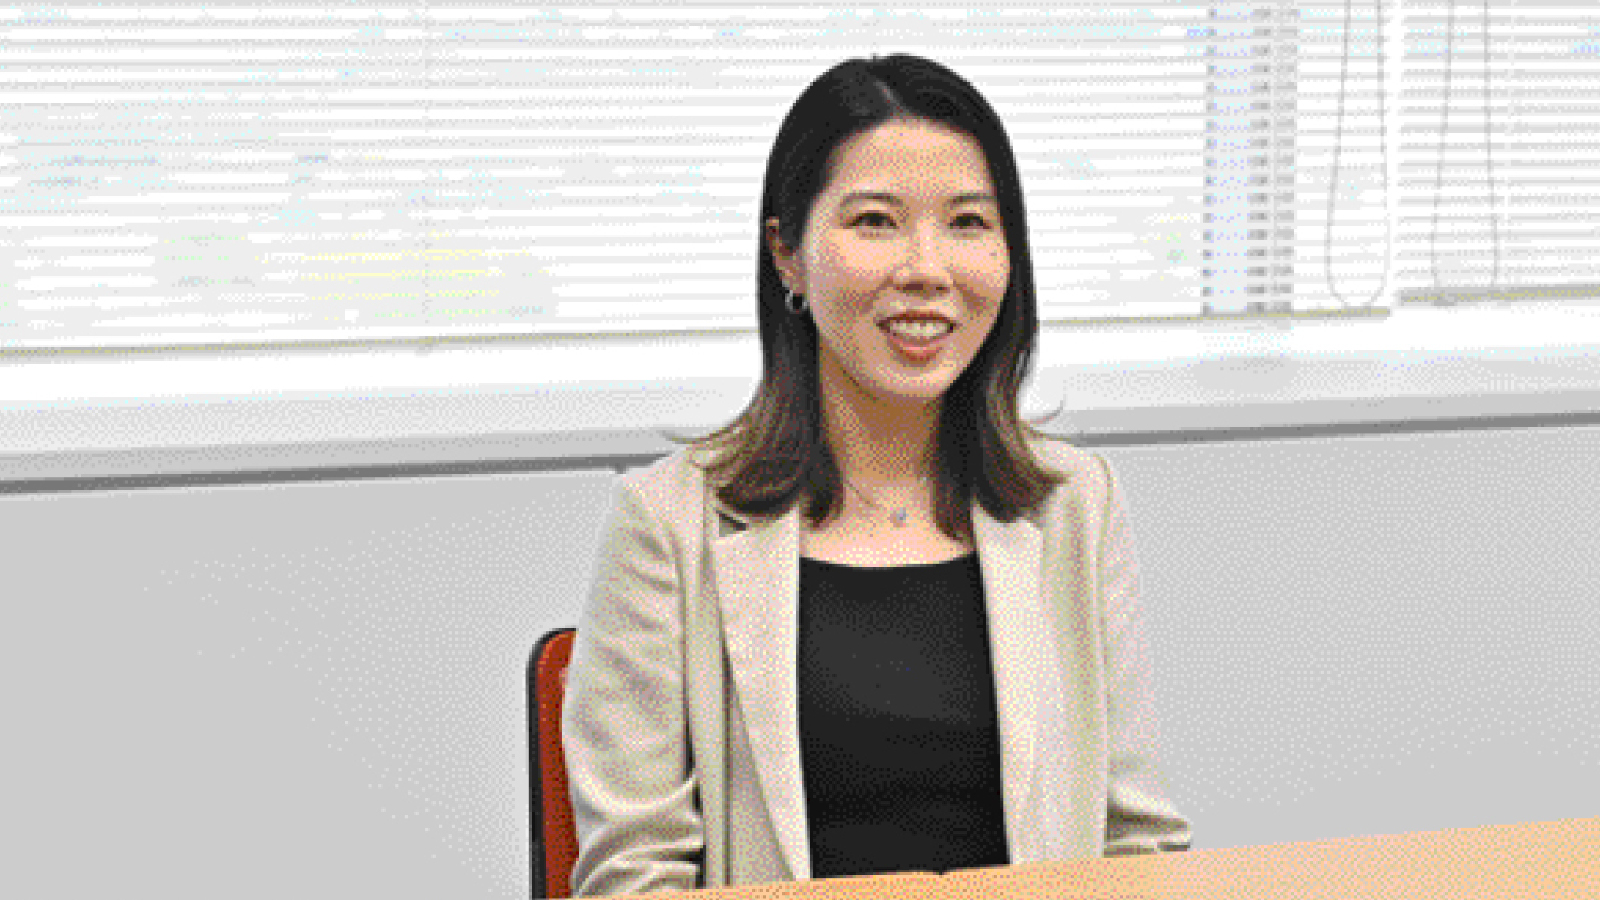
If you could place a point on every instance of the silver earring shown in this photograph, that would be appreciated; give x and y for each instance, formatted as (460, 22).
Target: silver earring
(789, 302)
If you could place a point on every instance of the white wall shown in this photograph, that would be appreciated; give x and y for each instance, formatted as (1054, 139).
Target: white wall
(1374, 634)
(313, 688)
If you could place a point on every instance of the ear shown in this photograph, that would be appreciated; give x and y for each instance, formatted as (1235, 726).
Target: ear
(786, 260)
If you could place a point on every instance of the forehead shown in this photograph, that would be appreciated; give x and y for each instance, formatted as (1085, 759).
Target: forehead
(916, 160)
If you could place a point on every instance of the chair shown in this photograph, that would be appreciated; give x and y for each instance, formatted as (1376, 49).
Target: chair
(555, 836)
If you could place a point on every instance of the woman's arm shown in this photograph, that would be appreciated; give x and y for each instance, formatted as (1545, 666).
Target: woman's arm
(632, 785)
(1139, 817)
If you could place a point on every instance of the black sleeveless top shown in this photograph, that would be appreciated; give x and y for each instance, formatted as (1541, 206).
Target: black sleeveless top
(899, 744)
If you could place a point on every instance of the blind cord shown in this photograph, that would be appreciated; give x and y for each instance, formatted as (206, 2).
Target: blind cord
(1338, 144)
(1488, 151)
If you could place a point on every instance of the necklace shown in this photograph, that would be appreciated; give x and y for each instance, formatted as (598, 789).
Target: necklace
(897, 516)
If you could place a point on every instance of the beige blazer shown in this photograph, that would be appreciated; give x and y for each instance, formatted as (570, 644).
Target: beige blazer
(681, 717)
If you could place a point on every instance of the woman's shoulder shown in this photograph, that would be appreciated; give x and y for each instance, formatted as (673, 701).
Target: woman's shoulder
(678, 471)
(672, 486)
(1061, 455)
(1089, 481)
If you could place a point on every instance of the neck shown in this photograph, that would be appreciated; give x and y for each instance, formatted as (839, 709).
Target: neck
(877, 444)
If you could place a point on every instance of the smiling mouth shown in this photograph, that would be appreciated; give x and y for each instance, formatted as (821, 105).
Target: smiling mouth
(930, 337)
(920, 351)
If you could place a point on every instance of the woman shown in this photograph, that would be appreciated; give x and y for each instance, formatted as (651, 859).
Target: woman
(876, 623)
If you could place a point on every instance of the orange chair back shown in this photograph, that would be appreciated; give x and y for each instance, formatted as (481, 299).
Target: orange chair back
(555, 837)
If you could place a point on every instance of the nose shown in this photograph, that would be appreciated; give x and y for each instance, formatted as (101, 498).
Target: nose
(924, 268)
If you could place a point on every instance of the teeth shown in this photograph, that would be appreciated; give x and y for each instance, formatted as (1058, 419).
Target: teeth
(921, 331)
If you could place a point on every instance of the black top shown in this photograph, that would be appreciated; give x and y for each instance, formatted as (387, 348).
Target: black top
(899, 744)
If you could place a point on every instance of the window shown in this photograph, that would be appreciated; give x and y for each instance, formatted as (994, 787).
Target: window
(276, 174)
(270, 179)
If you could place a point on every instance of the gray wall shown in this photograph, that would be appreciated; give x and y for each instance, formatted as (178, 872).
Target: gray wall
(316, 687)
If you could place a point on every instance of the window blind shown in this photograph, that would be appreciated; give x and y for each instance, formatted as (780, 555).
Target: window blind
(226, 173)
(259, 174)
(1363, 153)
(1298, 218)
(1499, 168)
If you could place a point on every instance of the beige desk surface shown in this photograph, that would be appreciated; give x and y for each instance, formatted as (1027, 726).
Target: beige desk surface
(1557, 860)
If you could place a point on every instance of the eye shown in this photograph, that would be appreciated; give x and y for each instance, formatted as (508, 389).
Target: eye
(879, 219)
(974, 219)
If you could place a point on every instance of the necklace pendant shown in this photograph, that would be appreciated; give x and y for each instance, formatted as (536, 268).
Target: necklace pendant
(898, 517)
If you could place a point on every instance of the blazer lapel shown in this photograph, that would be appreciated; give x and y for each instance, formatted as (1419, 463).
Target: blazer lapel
(757, 567)
(1009, 556)
(757, 570)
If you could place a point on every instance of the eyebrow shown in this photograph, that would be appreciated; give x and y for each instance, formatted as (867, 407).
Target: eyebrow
(970, 197)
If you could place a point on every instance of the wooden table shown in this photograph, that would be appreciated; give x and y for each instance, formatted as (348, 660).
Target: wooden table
(1557, 860)
(1547, 860)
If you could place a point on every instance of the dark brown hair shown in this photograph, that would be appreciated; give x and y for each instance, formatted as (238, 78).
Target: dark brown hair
(773, 454)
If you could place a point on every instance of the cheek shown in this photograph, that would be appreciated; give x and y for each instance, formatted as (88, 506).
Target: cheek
(1002, 278)
(846, 263)
(990, 275)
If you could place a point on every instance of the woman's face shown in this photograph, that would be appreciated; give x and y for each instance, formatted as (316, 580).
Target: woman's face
(908, 225)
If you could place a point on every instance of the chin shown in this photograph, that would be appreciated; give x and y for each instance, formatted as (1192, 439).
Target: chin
(920, 394)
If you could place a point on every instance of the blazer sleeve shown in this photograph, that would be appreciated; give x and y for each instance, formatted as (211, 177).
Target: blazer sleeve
(629, 769)
(1139, 816)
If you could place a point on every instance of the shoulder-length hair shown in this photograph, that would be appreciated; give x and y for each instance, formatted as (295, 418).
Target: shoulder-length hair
(773, 454)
